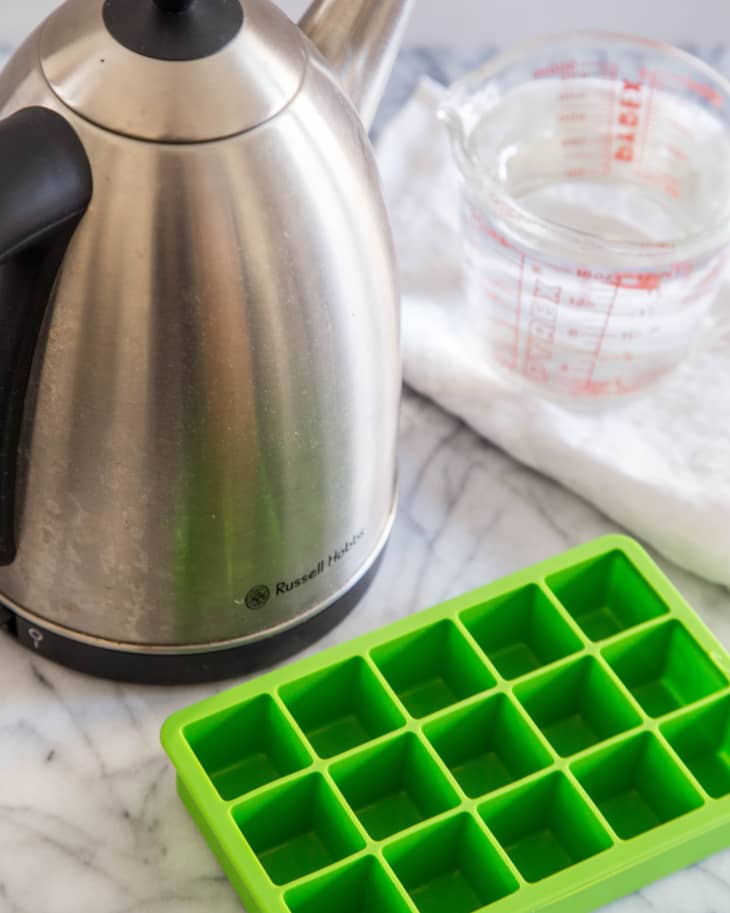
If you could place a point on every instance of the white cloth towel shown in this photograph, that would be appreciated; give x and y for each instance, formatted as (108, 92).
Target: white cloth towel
(659, 466)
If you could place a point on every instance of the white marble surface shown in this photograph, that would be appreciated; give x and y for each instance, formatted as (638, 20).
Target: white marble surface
(89, 819)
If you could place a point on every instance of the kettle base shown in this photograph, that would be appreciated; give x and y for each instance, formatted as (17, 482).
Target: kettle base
(184, 668)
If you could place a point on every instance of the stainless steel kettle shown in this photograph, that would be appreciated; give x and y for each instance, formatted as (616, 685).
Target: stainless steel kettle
(199, 331)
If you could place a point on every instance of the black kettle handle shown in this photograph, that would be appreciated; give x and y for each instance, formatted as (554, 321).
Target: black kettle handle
(45, 189)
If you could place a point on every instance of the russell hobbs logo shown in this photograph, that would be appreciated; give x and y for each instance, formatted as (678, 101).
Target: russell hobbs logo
(259, 596)
(286, 586)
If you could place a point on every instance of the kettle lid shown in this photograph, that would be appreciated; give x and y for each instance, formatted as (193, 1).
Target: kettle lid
(173, 71)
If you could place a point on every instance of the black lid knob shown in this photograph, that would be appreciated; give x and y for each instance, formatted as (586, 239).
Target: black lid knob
(173, 6)
(173, 29)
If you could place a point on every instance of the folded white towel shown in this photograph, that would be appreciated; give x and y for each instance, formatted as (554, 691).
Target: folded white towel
(660, 466)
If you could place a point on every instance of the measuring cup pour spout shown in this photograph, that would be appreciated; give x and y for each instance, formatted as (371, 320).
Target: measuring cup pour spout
(454, 112)
(450, 115)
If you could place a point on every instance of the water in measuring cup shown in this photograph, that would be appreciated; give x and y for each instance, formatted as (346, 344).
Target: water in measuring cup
(618, 163)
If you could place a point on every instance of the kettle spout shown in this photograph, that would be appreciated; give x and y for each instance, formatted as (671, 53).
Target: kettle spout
(360, 39)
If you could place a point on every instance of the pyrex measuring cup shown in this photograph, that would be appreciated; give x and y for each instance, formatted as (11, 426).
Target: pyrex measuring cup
(596, 209)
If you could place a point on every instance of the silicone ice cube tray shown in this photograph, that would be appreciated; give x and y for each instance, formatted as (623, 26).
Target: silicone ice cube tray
(548, 743)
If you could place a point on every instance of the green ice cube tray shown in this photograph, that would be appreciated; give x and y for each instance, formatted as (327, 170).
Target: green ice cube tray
(545, 744)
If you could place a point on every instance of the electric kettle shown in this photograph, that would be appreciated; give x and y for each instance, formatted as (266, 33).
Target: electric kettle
(199, 331)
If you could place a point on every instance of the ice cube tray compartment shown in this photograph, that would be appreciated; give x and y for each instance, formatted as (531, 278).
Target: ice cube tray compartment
(577, 705)
(545, 827)
(432, 669)
(549, 742)
(637, 786)
(393, 786)
(664, 668)
(297, 828)
(521, 632)
(701, 738)
(607, 596)
(360, 887)
(246, 746)
(341, 708)
(487, 745)
(451, 866)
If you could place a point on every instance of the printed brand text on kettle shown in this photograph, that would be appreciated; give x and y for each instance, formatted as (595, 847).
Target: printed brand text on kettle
(286, 586)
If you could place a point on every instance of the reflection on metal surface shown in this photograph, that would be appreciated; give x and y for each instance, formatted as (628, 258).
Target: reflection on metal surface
(360, 40)
(247, 83)
(207, 646)
(213, 405)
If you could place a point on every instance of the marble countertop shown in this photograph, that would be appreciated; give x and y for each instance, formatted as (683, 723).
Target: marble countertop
(89, 818)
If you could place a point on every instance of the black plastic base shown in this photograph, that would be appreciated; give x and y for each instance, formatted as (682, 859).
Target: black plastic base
(187, 668)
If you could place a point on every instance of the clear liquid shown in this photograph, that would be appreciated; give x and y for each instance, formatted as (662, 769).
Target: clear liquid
(589, 319)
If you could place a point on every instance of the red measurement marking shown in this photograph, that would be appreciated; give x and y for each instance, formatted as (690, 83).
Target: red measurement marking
(617, 386)
(607, 137)
(645, 282)
(570, 68)
(485, 229)
(651, 92)
(705, 91)
(541, 330)
(604, 330)
(668, 79)
(628, 120)
(562, 69)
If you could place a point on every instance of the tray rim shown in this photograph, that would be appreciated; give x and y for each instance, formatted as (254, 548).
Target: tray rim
(662, 850)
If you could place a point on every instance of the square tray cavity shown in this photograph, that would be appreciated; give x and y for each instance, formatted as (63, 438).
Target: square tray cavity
(546, 744)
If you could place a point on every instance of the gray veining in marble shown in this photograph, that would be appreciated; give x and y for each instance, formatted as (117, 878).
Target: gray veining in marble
(89, 819)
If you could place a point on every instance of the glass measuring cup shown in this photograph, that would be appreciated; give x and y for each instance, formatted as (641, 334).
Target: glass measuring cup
(595, 209)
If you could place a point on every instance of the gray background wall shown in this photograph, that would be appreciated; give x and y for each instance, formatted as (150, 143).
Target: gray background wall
(471, 22)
